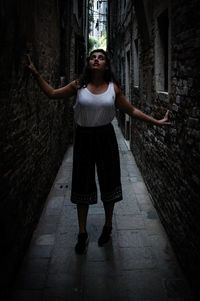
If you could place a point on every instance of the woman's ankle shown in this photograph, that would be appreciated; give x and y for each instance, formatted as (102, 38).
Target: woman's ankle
(82, 231)
(108, 222)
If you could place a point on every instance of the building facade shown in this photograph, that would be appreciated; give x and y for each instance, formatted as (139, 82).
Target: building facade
(99, 11)
(155, 50)
(35, 131)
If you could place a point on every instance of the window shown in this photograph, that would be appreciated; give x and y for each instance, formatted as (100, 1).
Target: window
(136, 63)
(80, 8)
(127, 90)
(127, 68)
(161, 51)
(123, 73)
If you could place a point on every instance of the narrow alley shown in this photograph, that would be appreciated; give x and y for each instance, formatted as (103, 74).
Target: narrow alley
(138, 264)
(150, 67)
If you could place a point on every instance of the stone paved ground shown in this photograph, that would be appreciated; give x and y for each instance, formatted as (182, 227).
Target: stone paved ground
(138, 264)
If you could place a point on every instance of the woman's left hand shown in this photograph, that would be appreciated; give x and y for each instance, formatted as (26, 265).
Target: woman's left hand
(31, 65)
(164, 120)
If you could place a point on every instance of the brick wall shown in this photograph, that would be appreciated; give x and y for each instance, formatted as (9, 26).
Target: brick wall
(168, 157)
(35, 131)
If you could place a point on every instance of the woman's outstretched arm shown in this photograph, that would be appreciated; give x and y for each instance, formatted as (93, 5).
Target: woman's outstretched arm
(67, 91)
(123, 104)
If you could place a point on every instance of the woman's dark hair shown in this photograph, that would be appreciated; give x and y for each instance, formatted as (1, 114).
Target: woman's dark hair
(85, 78)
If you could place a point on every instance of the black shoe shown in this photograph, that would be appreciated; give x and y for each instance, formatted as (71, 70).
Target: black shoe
(82, 243)
(105, 236)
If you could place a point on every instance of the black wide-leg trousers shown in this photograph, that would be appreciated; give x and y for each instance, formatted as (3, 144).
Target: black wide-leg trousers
(95, 146)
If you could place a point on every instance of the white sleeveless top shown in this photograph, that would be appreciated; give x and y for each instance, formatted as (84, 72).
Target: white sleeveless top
(94, 109)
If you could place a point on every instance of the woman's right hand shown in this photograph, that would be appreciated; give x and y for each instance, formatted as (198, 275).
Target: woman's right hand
(31, 66)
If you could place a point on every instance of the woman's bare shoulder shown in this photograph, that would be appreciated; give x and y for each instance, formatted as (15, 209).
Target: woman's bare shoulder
(117, 89)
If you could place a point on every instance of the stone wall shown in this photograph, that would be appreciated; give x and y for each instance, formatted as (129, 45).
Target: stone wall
(35, 131)
(168, 157)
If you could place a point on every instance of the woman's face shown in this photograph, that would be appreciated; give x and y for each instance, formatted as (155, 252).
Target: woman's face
(97, 61)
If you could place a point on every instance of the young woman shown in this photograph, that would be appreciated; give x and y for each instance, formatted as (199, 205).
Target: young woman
(97, 95)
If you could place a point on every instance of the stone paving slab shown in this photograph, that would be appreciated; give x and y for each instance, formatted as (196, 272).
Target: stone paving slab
(138, 264)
